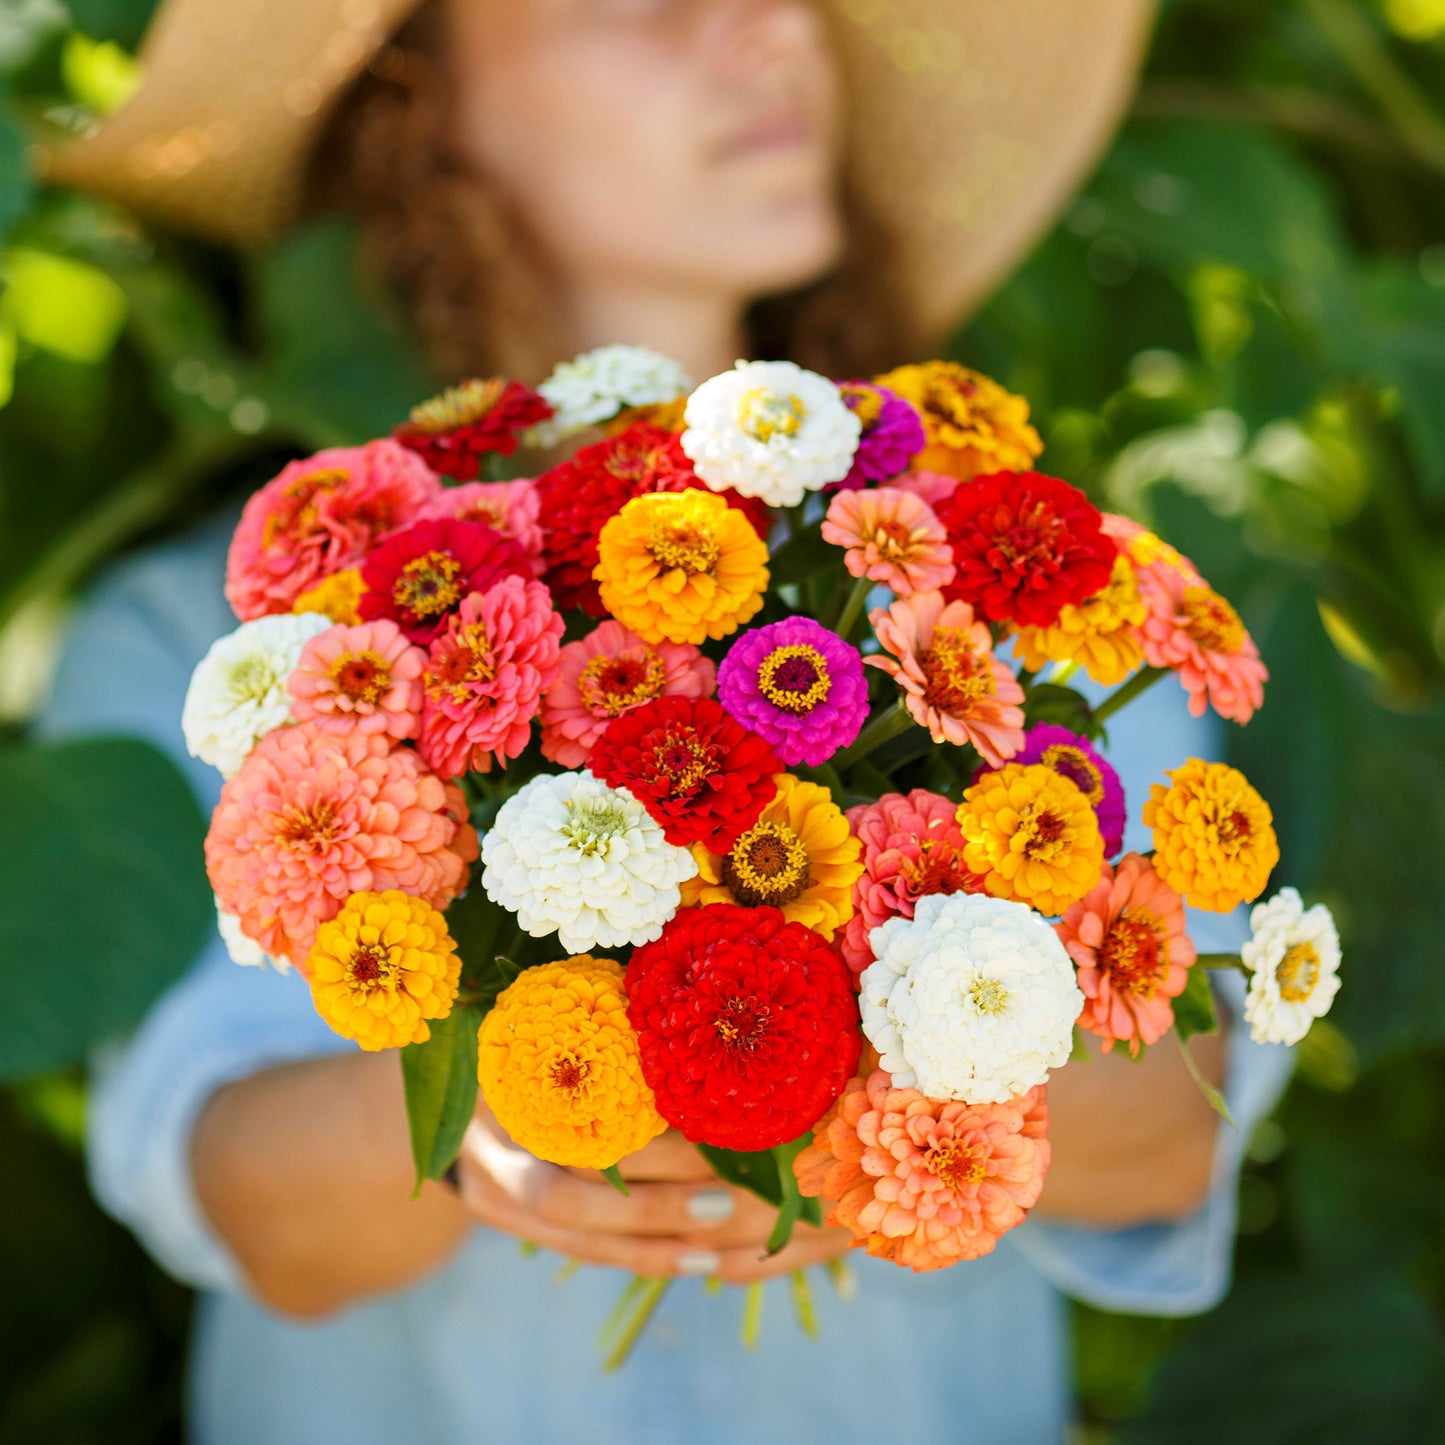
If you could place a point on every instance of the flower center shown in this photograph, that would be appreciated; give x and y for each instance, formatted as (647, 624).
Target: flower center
(371, 968)
(309, 828)
(568, 1073)
(458, 662)
(1031, 543)
(251, 679)
(956, 1164)
(892, 540)
(768, 864)
(691, 546)
(939, 868)
(681, 761)
(592, 824)
(1135, 952)
(295, 509)
(794, 678)
(1073, 763)
(764, 414)
(865, 404)
(956, 676)
(741, 1023)
(609, 686)
(1211, 621)
(459, 405)
(989, 996)
(427, 585)
(1041, 832)
(951, 397)
(361, 676)
(1234, 828)
(1297, 972)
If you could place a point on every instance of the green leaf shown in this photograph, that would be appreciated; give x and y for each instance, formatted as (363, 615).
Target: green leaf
(1051, 702)
(441, 1090)
(103, 894)
(802, 556)
(1212, 1095)
(754, 1170)
(1194, 1008)
(613, 1175)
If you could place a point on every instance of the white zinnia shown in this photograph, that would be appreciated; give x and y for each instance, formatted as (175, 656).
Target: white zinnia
(973, 998)
(238, 690)
(569, 853)
(770, 429)
(242, 947)
(596, 385)
(1294, 957)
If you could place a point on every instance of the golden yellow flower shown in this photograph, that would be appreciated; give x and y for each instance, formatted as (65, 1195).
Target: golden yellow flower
(799, 856)
(973, 425)
(1102, 634)
(666, 414)
(681, 567)
(1214, 839)
(335, 596)
(382, 967)
(558, 1064)
(1033, 835)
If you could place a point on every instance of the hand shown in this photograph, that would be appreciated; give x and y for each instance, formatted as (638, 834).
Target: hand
(678, 1217)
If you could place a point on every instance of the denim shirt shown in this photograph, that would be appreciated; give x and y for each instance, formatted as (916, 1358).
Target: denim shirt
(491, 1345)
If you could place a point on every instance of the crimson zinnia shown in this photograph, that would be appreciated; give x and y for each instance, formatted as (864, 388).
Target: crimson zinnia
(453, 431)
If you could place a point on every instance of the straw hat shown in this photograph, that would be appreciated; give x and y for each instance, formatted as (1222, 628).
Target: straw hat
(971, 119)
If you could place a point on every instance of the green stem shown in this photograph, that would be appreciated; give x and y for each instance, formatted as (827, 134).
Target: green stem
(884, 728)
(853, 607)
(644, 1295)
(803, 1304)
(1141, 682)
(752, 1327)
(1062, 672)
(1222, 960)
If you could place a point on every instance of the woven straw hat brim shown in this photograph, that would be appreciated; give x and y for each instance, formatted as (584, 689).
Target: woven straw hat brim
(971, 120)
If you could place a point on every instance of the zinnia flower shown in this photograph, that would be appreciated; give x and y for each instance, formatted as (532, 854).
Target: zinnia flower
(336, 596)
(934, 488)
(769, 429)
(1025, 546)
(972, 424)
(1144, 549)
(511, 508)
(747, 1025)
(485, 675)
(569, 853)
(892, 537)
(1101, 634)
(798, 686)
(912, 847)
(558, 1064)
(799, 856)
(972, 998)
(926, 1182)
(604, 675)
(366, 677)
(1294, 957)
(381, 968)
(942, 658)
(1033, 834)
(892, 433)
(313, 817)
(681, 567)
(1127, 937)
(703, 778)
(593, 387)
(319, 516)
(420, 576)
(452, 432)
(1214, 836)
(237, 694)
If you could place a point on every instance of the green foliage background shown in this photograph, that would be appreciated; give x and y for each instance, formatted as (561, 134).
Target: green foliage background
(1237, 331)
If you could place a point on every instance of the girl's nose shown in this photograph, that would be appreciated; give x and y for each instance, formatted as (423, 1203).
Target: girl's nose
(749, 36)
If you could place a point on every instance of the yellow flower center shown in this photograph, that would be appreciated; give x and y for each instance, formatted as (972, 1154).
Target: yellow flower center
(609, 686)
(361, 676)
(989, 996)
(1297, 972)
(951, 397)
(741, 1023)
(1042, 834)
(458, 405)
(683, 760)
(1233, 826)
(768, 864)
(892, 541)
(251, 679)
(308, 828)
(461, 661)
(427, 585)
(764, 414)
(957, 1164)
(593, 823)
(691, 546)
(1073, 763)
(956, 676)
(939, 869)
(568, 1073)
(371, 967)
(864, 403)
(295, 510)
(1211, 621)
(794, 678)
(1135, 952)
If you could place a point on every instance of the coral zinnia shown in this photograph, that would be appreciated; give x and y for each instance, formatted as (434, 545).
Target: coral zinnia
(942, 659)
(419, 577)
(604, 675)
(892, 433)
(892, 537)
(313, 817)
(484, 676)
(799, 856)
(798, 686)
(320, 515)
(926, 1182)
(1024, 546)
(1127, 938)
(1214, 836)
(366, 677)
(747, 1025)
(382, 967)
(1033, 834)
(511, 508)
(452, 432)
(558, 1064)
(1101, 634)
(681, 567)
(703, 777)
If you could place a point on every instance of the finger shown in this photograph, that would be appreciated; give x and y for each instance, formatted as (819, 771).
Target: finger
(808, 1246)
(731, 1215)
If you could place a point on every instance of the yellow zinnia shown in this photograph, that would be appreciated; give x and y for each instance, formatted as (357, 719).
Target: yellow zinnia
(972, 424)
(800, 856)
(681, 567)
(1101, 634)
(558, 1064)
(382, 967)
(1033, 835)
(1214, 839)
(335, 596)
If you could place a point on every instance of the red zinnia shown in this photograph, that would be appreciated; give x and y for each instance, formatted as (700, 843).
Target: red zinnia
(747, 1025)
(420, 576)
(703, 777)
(453, 431)
(1024, 546)
(581, 494)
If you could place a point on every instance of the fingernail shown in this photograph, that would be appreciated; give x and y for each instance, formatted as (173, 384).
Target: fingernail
(698, 1261)
(711, 1206)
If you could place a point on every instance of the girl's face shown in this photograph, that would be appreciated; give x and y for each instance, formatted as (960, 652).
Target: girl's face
(689, 144)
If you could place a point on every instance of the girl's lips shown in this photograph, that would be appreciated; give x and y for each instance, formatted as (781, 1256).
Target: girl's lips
(779, 130)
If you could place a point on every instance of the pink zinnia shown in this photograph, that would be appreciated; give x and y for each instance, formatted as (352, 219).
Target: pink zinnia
(912, 846)
(511, 508)
(604, 675)
(926, 1182)
(1127, 938)
(934, 488)
(313, 817)
(892, 537)
(366, 677)
(319, 516)
(484, 678)
(952, 683)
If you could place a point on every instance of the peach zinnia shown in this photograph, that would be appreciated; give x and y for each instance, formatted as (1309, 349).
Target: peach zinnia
(366, 677)
(511, 508)
(892, 537)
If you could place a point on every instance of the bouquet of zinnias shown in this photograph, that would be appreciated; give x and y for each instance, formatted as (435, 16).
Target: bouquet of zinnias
(793, 836)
